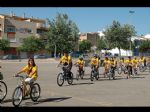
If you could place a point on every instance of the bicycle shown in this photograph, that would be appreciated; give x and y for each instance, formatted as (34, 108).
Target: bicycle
(135, 71)
(119, 69)
(111, 73)
(65, 75)
(19, 93)
(94, 73)
(79, 72)
(3, 90)
(148, 67)
(142, 68)
(129, 68)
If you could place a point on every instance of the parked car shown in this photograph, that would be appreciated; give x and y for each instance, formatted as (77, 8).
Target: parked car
(10, 56)
(40, 56)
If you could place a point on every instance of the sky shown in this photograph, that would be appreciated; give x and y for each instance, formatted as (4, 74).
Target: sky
(90, 19)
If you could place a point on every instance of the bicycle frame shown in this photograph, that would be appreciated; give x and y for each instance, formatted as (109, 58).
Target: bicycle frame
(23, 85)
(94, 69)
(65, 71)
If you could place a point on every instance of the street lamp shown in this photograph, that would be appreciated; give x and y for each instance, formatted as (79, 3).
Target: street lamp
(79, 41)
(131, 12)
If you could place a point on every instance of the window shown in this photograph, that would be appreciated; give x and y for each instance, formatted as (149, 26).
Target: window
(39, 31)
(11, 29)
(11, 37)
(30, 31)
(25, 30)
(21, 30)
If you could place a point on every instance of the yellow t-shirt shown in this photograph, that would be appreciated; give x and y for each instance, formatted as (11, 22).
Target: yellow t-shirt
(95, 61)
(27, 69)
(107, 63)
(135, 61)
(141, 59)
(80, 62)
(128, 61)
(66, 59)
(112, 62)
(122, 61)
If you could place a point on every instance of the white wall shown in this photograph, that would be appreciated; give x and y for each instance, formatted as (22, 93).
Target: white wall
(116, 51)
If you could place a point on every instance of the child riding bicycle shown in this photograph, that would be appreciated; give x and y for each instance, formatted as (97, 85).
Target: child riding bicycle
(80, 63)
(95, 62)
(66, 60)
(32, 73)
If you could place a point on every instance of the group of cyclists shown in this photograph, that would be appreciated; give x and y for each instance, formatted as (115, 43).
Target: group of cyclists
(129, 64)
(109, 63)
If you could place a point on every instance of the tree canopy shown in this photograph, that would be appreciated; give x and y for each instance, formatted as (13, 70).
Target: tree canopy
(119, 35)
(145, 46)
(85, 45)
(32, 44)
(4, 44)
(63, 33)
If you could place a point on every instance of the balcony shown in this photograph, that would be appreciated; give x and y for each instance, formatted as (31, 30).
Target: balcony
(40, 25)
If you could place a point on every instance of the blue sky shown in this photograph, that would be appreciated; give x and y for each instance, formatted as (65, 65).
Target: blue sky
(91, 19)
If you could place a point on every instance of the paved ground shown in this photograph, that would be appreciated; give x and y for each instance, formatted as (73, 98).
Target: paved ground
(104, 92)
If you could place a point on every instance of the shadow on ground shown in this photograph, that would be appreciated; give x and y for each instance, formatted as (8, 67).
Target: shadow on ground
(46, 100)
(87, 83)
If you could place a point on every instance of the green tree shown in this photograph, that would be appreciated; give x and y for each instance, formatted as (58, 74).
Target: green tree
(102, 43)
(4, 44)
(85, 45)
(145, 46)
(119, 36)
(63, 33)
(32, 45)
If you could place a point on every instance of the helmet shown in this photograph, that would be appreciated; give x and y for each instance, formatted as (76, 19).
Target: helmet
(95, 55)
(66, 51)
(81, 58)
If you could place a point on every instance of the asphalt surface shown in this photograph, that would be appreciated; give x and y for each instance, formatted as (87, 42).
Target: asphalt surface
(102, 93)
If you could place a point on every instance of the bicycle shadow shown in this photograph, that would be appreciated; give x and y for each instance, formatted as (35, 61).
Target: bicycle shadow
(117, 78)
(144, 74)
(46, 100)
(10, 100)
(84, 78)
(84, 83)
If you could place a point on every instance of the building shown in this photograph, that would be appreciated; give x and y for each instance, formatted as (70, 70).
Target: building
(137, 41)
(93, 37)
(15, 29)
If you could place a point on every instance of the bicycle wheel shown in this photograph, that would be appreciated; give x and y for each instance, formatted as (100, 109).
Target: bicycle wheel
(77, 75)
(109, 75)
(3, 90)
(119, 70)
(113, 76)
(70, 79)
(129, 73)
(142, 68)
(60, 79)
(135, 72)
(35, 92)
(92, 76)
(82, 74)
(17, 96)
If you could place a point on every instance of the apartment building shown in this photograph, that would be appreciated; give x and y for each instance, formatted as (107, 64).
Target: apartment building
(93, 37)
(15, 29)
